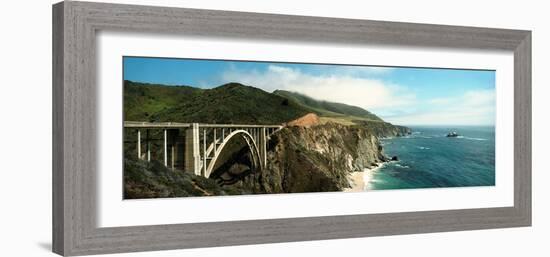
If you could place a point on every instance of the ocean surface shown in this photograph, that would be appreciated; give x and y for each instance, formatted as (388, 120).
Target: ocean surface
(427, 159)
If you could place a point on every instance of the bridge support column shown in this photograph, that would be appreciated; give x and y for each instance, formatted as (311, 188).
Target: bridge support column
(263, 147)
(148, 146)
(215, 141)
(173, 151)
(139, 144)
(204, 167)
(192, 150)
(165, 147)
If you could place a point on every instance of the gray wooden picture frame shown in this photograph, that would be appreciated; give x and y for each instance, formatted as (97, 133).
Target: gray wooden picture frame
(75, 25)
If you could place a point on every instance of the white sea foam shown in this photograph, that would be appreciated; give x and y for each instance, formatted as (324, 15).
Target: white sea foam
(475, 138)
(472, 138)
(402, 166)
(368, 175)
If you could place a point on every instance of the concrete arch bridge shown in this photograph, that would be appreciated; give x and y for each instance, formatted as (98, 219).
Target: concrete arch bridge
(196, 147)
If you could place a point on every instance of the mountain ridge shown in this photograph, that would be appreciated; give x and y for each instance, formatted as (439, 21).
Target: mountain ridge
(328, 108)
(231, 103)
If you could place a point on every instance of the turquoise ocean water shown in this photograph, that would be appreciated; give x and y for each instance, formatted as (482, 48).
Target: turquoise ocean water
(427, 159)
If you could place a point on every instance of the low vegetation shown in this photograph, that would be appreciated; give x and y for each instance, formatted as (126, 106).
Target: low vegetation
(144, 179)
(231, 103)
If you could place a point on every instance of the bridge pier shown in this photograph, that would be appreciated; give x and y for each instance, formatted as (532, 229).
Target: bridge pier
(148, 142)
(173, 150)
(139, 144)
(263, 147)
(165, 148)
(192, 153)
(204, 157)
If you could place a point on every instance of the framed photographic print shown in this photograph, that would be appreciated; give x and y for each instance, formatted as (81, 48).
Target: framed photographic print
(181, 128)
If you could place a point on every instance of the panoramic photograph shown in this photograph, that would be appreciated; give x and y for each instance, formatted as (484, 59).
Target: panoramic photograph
(197, 127)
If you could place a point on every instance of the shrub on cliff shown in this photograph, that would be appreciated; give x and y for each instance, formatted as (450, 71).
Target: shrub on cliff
(144, 179)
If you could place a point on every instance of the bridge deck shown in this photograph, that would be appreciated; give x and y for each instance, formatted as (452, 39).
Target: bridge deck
(138, 124)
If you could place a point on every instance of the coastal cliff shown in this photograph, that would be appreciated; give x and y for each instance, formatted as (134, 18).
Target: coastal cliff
(315, 159)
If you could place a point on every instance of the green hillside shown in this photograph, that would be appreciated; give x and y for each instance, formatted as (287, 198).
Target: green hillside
(230, 103)
(328, 109)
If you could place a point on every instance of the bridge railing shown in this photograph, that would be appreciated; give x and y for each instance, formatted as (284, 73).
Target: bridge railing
(152, 125)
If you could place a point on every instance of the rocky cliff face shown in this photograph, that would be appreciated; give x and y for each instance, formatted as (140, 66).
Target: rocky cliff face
(315, 159)
(403, 131)
(384, 129)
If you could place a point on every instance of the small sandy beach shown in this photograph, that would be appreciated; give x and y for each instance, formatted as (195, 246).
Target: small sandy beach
(359, 180)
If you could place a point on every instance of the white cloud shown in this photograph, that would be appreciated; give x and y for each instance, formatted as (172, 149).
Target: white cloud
(361, 70)
(476, 107)
(441, 101)
(359, 86)
(343, 86)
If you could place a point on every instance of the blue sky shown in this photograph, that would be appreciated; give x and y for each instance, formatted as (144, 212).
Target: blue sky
(408, 96)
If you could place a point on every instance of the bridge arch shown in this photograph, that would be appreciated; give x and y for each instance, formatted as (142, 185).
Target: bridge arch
(251, 143)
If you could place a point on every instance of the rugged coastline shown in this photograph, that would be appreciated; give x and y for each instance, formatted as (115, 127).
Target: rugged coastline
(320, 158)
(320, 146)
